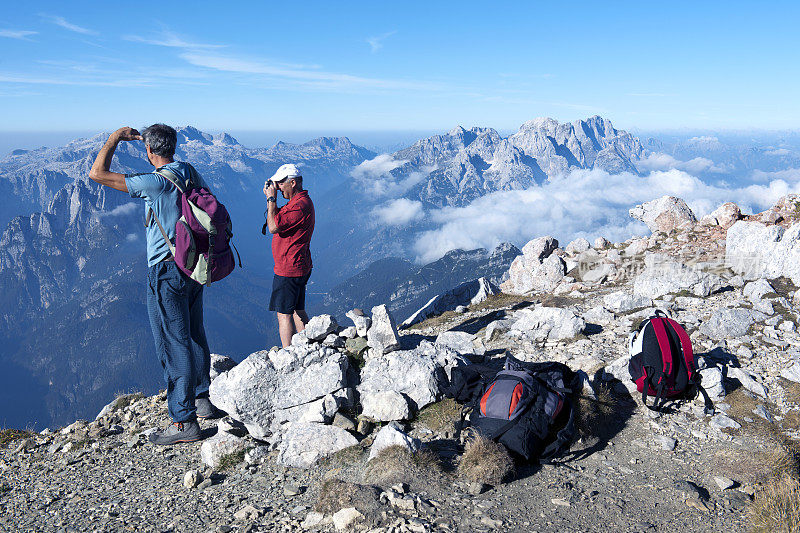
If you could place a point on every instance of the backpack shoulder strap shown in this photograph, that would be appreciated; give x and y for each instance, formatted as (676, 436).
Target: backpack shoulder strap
(164, 233)
(173, 178)
(663, 344)
(686, 345)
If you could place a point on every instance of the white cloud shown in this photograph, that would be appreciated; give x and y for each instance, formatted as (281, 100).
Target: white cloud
(61, 21)
(17, 34)
(789, 175)
(662, 161)
(376, 176)
(121, 210)
(585, 203)
(32, 80)
(703, 139)
(778, 152)
(399, 212)
(171, 40)
(306, 76)
(376, 42)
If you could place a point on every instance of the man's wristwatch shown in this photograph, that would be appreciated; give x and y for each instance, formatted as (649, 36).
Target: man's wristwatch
(271, 199)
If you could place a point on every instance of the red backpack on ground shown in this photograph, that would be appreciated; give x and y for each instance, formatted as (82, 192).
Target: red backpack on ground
(663, 364)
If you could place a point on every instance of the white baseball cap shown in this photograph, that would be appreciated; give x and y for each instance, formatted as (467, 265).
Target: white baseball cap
(289, 170)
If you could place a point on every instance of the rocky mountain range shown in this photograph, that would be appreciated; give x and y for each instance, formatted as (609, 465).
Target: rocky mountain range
(404, 286)
(72, 253)
(462, 165)
(72, 267)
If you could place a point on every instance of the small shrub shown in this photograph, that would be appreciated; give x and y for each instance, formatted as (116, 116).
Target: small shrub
(231, 460)
(590, 413)
(124, 400)
(485, 461)
(777, 506)
(8, 436)
(396, 464)
(440, 415)
(336, 494)
(349, 455)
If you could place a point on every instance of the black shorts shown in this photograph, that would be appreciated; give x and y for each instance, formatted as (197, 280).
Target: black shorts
(288, 294)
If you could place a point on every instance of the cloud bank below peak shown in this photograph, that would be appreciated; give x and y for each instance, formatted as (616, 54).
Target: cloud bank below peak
(585, 203)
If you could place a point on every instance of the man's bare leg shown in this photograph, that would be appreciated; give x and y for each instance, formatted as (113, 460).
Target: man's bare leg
(285, 328)
(300, 320)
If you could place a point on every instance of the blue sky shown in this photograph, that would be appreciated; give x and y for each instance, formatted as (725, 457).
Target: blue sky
(394, 66)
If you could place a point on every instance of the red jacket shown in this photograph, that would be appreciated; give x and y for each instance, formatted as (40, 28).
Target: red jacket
(291, 243)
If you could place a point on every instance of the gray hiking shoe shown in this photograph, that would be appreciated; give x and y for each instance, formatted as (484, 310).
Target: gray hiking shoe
(206, 409)
(188, 431)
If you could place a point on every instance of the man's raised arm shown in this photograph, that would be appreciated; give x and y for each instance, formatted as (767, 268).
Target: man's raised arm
(100, 169)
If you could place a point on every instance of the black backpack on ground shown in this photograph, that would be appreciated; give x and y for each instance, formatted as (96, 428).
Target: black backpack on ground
(663, 364)
(526, 407)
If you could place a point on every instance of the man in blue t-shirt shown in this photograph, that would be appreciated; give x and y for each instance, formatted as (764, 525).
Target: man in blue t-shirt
(174, 301)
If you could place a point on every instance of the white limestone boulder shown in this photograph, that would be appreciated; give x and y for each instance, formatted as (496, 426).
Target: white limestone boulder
(548, 323)
(755, 251)
(360, 321)
(730, 322)
(622, 301)
(217, 447)
(537, 269)
(391, 435)
(303, 444)
(460, 341)
(382, 335)
(270, 386)
(419, 375)
(319, 327)
(664, 214)
(664, 276)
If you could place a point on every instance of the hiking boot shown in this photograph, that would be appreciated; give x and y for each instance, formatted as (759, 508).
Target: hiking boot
(188, 431)
(206, 409)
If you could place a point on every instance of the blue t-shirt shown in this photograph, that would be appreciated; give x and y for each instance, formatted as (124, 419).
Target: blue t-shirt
(164, 199)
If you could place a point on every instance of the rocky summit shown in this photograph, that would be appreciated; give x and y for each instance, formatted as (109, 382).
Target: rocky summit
(349, 429)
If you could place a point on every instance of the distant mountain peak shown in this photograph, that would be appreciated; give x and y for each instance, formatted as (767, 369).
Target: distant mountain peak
(470, 163)
(226, 139)
(190, 133)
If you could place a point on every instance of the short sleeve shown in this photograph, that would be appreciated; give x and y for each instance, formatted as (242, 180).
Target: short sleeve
(288, 219)
(145, 185)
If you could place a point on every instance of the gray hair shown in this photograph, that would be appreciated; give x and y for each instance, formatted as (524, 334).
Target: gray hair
(161, 139)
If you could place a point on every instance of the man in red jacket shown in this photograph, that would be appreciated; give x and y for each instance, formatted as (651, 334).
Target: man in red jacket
(291, 226)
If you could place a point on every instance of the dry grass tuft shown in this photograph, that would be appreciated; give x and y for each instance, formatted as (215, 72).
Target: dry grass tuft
(124, 400)
(396, 464)
(590, 413)
(786, 458)
(777, 506)
(485, 461)
(7, 436)
(440, 415)
(336, 494)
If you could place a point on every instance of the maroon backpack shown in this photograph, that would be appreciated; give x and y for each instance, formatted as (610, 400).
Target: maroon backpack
(202, 248)
(663, 364)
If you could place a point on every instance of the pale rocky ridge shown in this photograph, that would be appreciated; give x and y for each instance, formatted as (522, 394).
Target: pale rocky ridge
(701, 470)
(465, 164)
